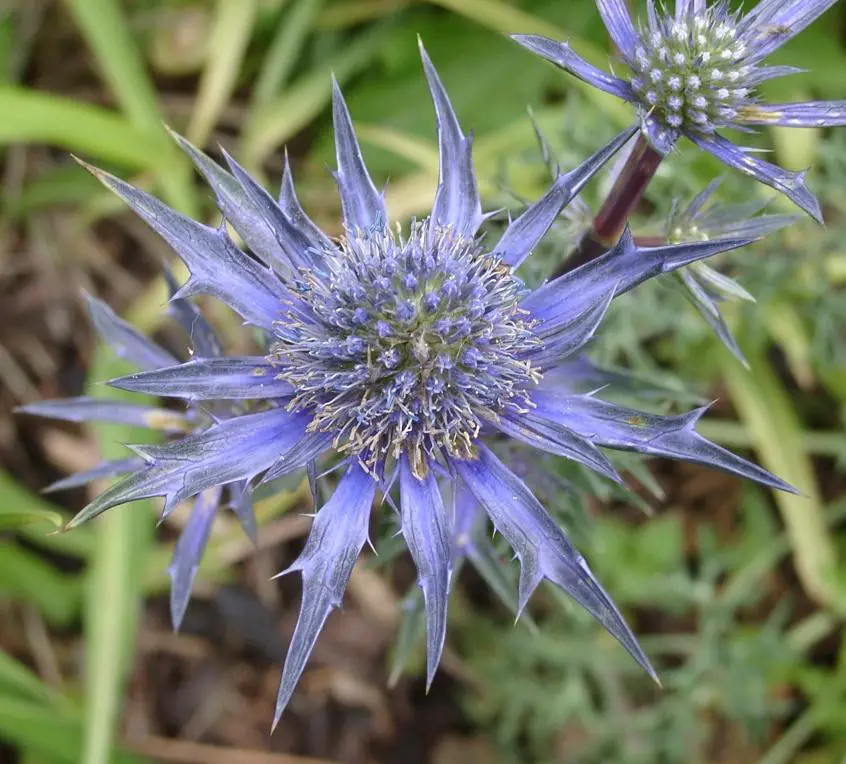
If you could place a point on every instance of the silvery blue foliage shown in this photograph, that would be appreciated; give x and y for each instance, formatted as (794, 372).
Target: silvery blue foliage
(398, 354)
(695, 70)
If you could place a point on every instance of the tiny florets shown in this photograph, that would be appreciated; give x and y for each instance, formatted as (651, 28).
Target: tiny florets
(690, 73)
(410, 341)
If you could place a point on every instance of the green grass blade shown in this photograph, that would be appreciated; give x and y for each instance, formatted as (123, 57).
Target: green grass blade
(502, 17)
(44, 731)
(19, 507)
(30, 116)
(284, 50)
(282, 118)
(230, 35)
(353, 12)
(18, 679)
(105, 28)
(107, 33)
(25, 575)
(10, 517)
(421, 152)
(123, 540)
(764, 407)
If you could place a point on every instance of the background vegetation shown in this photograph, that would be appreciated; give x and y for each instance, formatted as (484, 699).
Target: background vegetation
(738, 594)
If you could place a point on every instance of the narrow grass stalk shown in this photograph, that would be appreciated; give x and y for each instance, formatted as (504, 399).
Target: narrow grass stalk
(764, 407)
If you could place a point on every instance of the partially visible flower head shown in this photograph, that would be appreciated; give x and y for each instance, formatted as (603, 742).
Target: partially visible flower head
(703, 220)
(696, 70)
(399, 353)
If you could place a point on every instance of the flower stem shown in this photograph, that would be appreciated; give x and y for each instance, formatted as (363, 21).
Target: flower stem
(609, 223)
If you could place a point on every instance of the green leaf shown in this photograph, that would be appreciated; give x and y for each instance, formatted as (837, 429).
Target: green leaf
(283, 117)
(421, 152)
(230, 35)
(18, 679)
(284, 50)
(765, 408)
(25, 575)
(502, 17)
(108, 34)
(12, 518)
(30, 116)
(19, 507)
(43, 730)
(123, 540)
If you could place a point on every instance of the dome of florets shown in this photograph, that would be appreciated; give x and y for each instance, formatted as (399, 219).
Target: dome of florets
(691, 71)
(409, 342)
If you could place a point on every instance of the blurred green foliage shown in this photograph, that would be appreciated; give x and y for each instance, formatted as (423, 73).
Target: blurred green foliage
(257, 73)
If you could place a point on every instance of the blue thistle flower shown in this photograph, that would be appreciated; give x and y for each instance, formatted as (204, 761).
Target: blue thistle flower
(399, 352)
(695, 71)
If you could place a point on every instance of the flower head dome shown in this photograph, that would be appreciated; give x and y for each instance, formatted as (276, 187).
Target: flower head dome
(399, 353)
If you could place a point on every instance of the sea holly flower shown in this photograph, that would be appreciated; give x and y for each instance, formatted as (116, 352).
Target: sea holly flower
(134, 347)
(695, 71)
(398, 353)
(702, 220)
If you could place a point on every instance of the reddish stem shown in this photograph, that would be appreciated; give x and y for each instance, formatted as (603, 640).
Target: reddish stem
(639, 169)
(621, 201)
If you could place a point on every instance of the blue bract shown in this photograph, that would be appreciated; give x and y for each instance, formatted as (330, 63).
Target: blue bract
(398, 353)
(695, 71)
(701, 220)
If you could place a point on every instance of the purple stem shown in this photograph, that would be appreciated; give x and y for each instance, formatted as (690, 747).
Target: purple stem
(621, 201)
